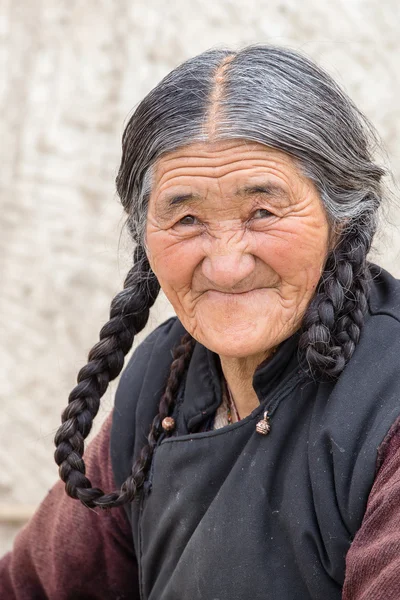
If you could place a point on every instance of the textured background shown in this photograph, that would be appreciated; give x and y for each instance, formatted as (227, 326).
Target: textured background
(71, 73)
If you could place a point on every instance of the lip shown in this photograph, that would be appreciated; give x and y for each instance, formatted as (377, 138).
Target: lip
(243, 293)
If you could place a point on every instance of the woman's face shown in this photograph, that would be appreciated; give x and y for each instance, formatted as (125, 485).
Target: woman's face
(237, 237)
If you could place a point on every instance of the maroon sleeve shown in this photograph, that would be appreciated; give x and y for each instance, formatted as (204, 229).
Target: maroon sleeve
(373, 561)
(67, 551)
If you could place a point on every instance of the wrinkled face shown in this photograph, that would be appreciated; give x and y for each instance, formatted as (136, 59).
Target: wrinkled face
(237, 237)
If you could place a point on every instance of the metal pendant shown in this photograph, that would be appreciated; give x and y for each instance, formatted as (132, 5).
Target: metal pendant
(263, 427)
(168, 424)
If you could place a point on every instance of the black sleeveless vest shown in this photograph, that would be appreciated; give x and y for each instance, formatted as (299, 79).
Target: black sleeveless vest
(231, 514)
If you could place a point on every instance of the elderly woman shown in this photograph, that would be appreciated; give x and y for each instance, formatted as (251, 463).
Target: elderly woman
(255, 436)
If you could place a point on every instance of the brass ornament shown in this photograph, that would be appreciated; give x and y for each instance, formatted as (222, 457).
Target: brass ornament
(263, 427)
(168, 424)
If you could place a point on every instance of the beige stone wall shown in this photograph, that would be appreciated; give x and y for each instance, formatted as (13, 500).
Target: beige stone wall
(71, 73)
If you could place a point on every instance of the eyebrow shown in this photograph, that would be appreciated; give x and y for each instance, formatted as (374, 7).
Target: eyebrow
(181, 199)
(267, 189)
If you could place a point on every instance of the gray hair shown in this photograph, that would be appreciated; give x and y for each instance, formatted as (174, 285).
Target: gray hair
(265, 94)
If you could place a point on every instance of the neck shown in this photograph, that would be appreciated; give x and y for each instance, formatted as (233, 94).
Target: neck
(238, 373)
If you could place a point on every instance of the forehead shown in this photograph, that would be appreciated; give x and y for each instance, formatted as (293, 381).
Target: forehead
(224, 163)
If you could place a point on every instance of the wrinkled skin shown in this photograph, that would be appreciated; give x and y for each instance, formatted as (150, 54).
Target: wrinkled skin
(239, 266)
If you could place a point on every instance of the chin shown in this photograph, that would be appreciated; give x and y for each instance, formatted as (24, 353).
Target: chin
(238, 329)
(236, 342)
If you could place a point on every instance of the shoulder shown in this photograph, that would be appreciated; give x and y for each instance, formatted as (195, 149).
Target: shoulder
(377, 356)
(150, 354)
(378, 352)
(374, 367)
(384, 297)
(370, 383)
(138, 393)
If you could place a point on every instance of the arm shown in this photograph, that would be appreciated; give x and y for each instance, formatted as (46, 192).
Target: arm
(68, 551)
(373, 561)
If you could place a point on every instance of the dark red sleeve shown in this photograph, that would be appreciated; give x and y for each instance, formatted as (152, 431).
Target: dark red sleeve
(68, 551)
(373, 561)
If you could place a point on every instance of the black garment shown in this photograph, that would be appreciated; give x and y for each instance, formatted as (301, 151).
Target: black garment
(231, 514)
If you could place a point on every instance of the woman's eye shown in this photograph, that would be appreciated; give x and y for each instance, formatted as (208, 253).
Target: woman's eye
(188, 220)
(261, 213)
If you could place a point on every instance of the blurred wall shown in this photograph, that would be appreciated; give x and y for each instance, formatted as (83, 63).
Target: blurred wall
(72, 72)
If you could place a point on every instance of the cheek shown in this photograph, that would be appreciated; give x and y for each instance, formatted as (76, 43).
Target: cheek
(296, 251)
(173, 260)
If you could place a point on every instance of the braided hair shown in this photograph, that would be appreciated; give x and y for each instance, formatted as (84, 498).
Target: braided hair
(333, 322)
(276, 97)
(128, 316)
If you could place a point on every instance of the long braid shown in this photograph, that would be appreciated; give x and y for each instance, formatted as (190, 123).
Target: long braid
(182, 354)
(129, 489)
(333, 322)
(128, 315)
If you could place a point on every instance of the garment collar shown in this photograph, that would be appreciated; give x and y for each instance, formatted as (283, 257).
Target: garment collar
(203, 391)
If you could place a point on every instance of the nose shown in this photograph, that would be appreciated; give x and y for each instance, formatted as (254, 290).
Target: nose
(227, 269)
